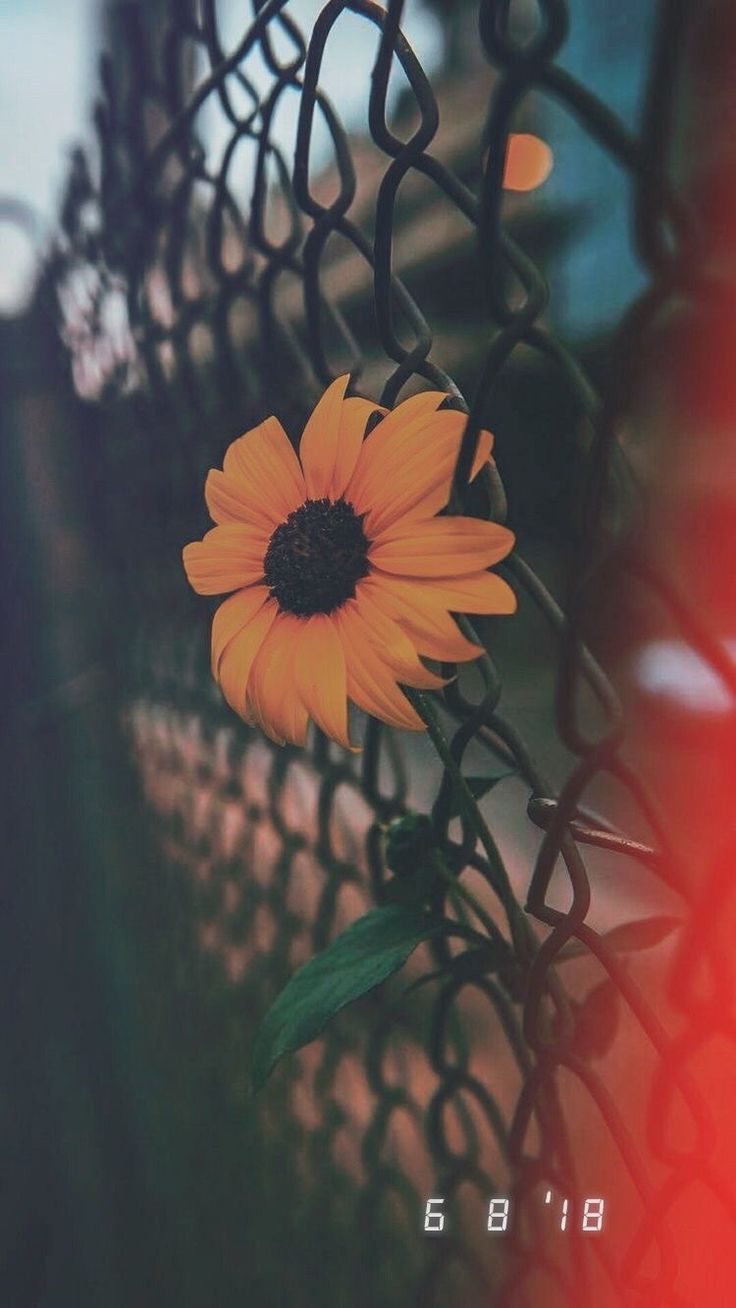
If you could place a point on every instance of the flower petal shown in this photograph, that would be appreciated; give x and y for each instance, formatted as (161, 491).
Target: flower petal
(261, 481)
(272, 698)
(481, 592)
(230, 618)
(236, 660)
(320, 674)
(424, 617)
(369, 623)
(410, 474)
(227, 558)
(402, 430)
(332, 440)
(354, 418)
(436, 494)
(321, 437)
(369, 682)
(441, 547)
(417, 406)
(430, 491)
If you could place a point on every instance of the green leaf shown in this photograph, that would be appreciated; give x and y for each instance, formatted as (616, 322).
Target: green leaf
(471, 965)
(644, 933)
(370, 950)
(478, 786)
(597, 1021)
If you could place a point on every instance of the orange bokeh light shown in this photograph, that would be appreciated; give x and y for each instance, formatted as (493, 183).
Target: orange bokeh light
(528, 162)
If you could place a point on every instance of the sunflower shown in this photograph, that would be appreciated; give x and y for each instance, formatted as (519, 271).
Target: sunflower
(343, 576)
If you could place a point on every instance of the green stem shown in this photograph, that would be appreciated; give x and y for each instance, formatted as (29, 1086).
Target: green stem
(457, 888)
(519, 927)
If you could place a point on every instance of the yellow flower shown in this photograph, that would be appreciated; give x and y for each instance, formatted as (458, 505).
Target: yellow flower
(343, 575)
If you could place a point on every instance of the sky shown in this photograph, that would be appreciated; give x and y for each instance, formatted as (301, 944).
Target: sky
(346, 68)
(48, 63)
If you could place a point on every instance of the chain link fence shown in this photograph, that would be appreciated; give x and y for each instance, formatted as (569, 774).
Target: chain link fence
(198, 290)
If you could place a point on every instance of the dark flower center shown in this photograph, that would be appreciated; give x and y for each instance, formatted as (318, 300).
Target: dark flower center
(314, 559)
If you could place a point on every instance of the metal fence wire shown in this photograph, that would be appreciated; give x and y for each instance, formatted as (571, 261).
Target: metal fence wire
(197, 292)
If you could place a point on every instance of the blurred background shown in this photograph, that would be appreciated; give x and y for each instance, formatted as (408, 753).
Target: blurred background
(174, 265)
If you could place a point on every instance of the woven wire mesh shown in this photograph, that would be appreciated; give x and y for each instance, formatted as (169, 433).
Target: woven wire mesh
(195, 298)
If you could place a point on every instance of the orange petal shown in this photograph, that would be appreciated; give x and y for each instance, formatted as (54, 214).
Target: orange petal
(236, 660)
(426, 621)
(417, 406)
(228, 501)
(320, 675)
(272, 698)
(411, 475)
(353, 422)
(404, 431)
(230, 618)
(370, 684)
(321, 438)
(440, 547)
(439, 493)
(265, 460)
(366, 621)
(332, 439)
(481, 592)
(261, 481)
(410, 501)
(227, 558)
